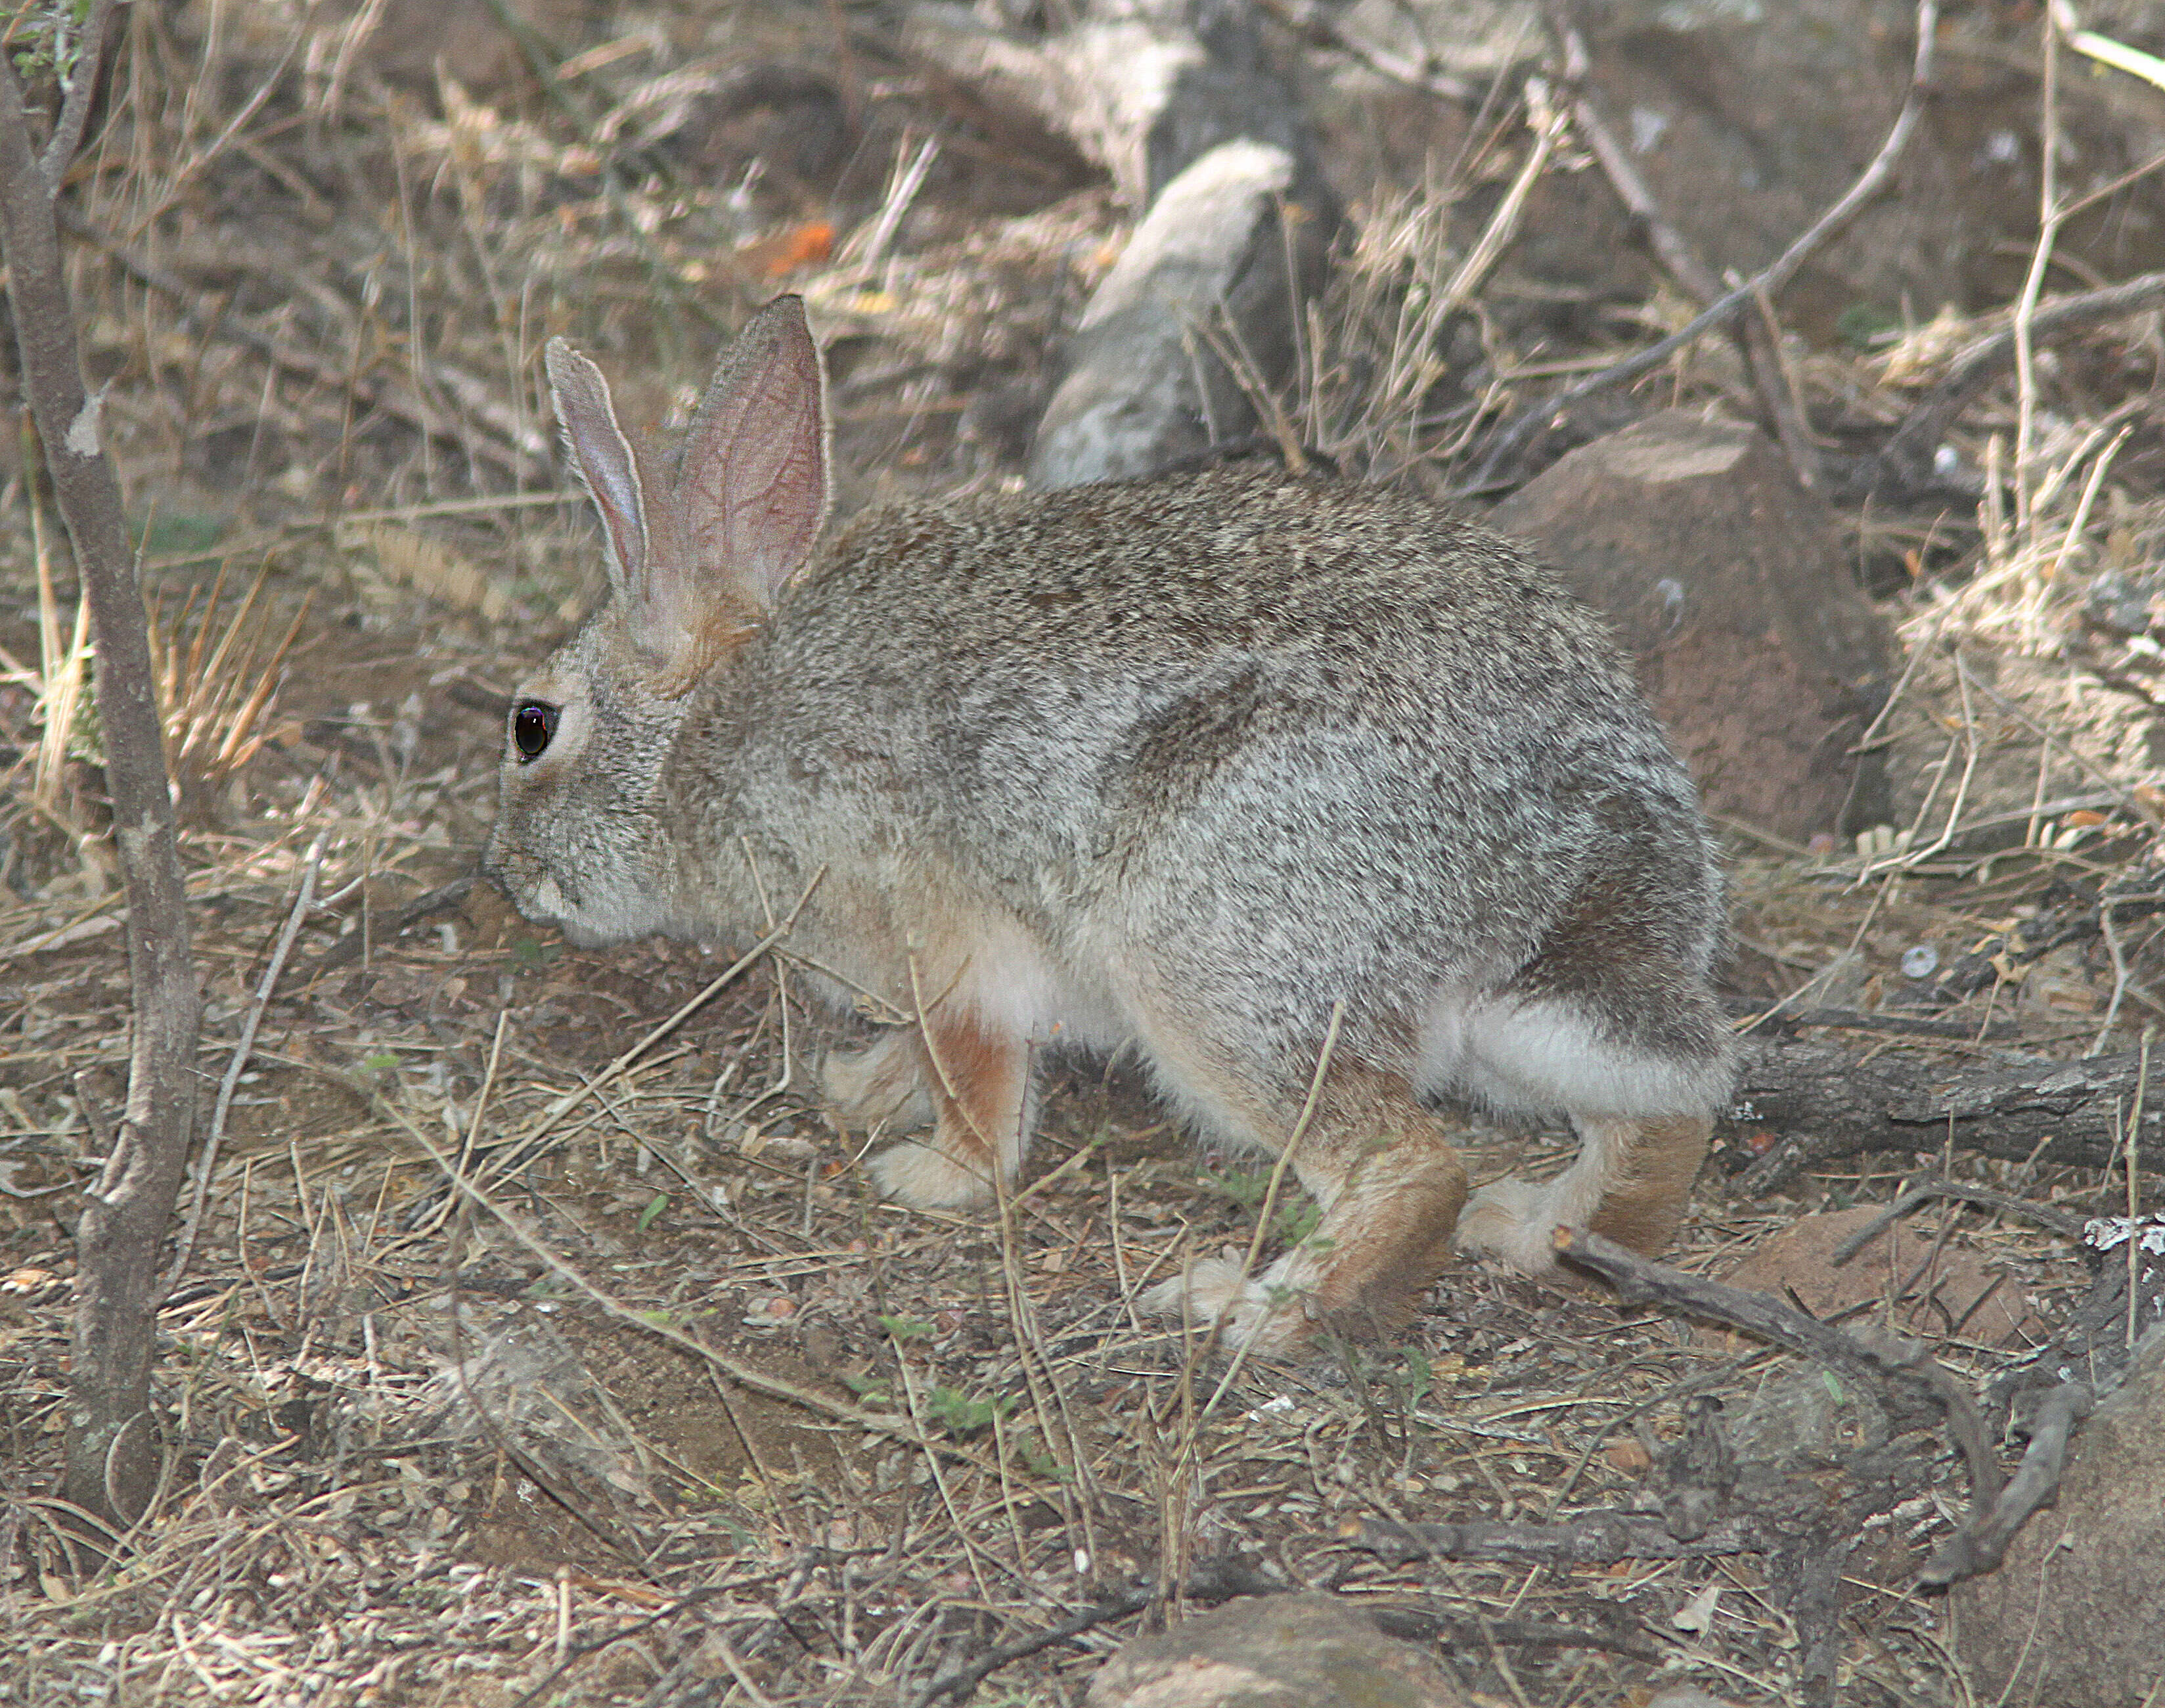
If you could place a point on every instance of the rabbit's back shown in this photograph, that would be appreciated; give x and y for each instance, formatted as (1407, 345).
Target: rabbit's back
(1322, 802)
(1312, 737)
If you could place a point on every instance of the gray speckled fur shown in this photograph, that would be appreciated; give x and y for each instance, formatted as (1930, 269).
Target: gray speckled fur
(1302, 741)
(1189, 765)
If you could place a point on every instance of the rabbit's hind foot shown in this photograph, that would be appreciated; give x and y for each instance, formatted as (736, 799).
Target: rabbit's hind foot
(1391, 1186)
(1630, 1182)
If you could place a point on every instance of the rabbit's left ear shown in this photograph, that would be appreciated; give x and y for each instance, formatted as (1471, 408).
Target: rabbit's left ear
(752, 480)
(604, 459)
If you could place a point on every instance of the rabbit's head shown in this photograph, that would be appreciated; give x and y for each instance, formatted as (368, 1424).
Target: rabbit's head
(699, 549)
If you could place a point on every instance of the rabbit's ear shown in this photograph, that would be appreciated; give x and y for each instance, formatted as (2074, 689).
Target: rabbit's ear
(753, 479)
(605, 461)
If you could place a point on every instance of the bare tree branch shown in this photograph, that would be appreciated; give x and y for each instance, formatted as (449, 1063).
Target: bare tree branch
(112, 1456)
(75, 108)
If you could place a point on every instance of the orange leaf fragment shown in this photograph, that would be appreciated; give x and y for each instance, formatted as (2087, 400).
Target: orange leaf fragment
(786, 251)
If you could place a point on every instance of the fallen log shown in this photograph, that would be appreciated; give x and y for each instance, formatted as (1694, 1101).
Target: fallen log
(1817, 1100)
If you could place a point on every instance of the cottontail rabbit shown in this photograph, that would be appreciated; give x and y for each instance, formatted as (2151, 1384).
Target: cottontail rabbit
(1204, 766)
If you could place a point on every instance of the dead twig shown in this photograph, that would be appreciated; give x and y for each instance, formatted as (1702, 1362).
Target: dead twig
(1981, 1543)
(1514, 438)
(1313, 23)
(311, 867)
(1755, 334)
(1921, 1192)
(1907, 455)
(442, 900)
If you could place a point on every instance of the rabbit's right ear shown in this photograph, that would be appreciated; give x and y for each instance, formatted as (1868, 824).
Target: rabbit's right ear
(605, 460)
(753, 477)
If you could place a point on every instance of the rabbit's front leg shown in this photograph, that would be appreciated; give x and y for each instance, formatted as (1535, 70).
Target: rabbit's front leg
(977, 1078)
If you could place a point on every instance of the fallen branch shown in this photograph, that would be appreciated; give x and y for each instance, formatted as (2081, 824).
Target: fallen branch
(1825, 1101)
(1909, 1379)
(1597, 1539)
(1980, 1545)
(2092, 1343)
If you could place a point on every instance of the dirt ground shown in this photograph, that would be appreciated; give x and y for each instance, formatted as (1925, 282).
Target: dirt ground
(662, 1404)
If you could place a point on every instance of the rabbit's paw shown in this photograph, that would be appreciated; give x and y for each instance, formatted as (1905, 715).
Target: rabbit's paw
(926, 1177)
(879, 1084)
(1515, 1221)
(1264, 1312)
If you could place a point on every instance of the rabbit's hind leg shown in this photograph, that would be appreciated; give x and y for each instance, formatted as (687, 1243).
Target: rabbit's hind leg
(1630, 1182)
(1628, 1040)
(1390, 1184)
(978, 1079)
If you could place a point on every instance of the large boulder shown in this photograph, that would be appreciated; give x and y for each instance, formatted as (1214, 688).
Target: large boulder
(1729, 586)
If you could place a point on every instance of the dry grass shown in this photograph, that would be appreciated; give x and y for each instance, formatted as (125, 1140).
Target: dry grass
(508, 1366)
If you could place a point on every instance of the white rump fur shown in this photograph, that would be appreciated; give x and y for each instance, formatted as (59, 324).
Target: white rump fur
(1543, 1057)
(702, 550)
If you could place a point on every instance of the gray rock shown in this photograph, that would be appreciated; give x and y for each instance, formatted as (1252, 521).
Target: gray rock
(1307, 1651)
(1177, 101)
(1144, 386)
(2070, 1619)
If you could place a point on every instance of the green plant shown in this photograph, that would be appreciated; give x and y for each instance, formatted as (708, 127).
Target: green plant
(960, 1414)
(1296, 1215)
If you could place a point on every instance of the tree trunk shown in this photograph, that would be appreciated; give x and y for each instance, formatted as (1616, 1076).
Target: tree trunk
(111, 1452)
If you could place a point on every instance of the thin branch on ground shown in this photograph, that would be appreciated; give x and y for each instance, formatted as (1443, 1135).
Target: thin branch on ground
(1755, 334)
(1981, 1544)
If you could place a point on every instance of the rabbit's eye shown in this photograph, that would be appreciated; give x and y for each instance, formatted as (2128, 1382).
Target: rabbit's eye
(531, 727)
